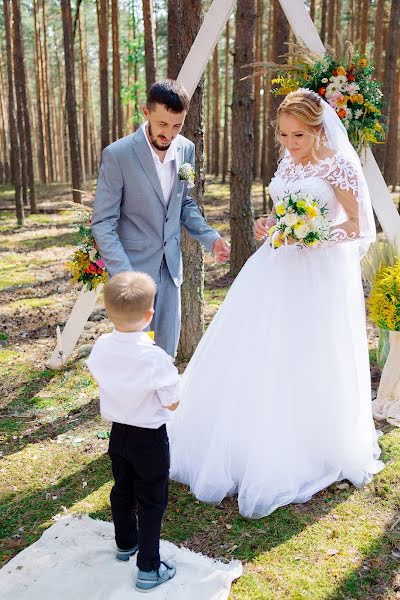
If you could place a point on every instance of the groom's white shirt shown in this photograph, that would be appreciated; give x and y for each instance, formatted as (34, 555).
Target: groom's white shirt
(137, 379)
(166, 170)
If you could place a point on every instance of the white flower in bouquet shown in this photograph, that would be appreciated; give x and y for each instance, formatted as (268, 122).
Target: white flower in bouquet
(290, 219)
(300, 218)
(301, 231)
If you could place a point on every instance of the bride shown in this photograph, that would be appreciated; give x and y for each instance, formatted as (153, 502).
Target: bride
(276, 401)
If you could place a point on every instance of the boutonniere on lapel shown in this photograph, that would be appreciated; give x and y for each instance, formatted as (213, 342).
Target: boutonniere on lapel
(186, 173)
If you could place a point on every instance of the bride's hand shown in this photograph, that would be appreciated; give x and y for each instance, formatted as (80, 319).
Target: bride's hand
(262, 226)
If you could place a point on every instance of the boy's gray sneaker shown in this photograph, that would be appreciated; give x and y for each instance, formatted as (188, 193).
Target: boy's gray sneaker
(148, 580)
(126, 554)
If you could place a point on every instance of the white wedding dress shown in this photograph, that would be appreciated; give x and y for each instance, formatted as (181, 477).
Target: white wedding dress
(276, 401)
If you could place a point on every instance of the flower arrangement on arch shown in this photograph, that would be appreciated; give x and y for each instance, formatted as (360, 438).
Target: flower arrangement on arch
(86, 265)
(346, 83)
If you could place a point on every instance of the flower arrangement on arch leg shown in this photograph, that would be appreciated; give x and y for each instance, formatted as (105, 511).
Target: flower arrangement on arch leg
(346, 83)
(300, 218)
(86, 265)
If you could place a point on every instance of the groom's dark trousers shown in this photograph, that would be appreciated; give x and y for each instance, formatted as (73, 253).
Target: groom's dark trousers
(139, 497)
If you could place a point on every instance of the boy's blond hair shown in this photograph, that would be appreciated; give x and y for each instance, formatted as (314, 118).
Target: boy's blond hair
(128, 296)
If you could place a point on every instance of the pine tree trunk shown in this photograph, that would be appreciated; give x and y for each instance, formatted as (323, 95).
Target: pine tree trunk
(149, 43)
(267, 131)
(22, 100)
(193, 265)
(378, 43)
(47, 97)
(257, 90)
(312, 10)
(227, 99)
(280, 35)
(4, 145)
(61, 119)
(364, 26)
(331, 23)
(76, 171)
(18, 76)
(241, 213)
(384, 152)
(117, 105)
(324, 9)
(208, 120)
(174, 35)
(102, 20)
(39, 133)
(215, 130)
(338, 26)
(84, 102)
(16, 170)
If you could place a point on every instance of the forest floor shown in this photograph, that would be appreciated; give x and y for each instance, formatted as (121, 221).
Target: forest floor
(344, 543)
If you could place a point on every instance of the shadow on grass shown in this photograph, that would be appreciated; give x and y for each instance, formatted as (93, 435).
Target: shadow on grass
(221, 531)
(31, 509)
(378, 574)
(29, 386)
(49, 431)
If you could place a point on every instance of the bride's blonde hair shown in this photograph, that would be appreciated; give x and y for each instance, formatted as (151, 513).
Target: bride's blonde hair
(306, 106)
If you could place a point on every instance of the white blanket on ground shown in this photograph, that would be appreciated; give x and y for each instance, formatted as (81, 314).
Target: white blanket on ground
(75, 560)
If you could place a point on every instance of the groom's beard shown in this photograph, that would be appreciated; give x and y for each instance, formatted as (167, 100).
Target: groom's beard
(154, 142)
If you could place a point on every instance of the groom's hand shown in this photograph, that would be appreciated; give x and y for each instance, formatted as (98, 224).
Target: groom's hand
(221, 250)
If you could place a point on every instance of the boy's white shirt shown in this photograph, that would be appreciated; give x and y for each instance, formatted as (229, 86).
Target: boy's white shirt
(137, 379)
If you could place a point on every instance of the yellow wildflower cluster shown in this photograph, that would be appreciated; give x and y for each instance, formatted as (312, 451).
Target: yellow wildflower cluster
(384, 299)
(77, 266)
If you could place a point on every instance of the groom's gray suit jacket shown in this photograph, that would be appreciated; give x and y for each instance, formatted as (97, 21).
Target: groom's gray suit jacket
(132, 226)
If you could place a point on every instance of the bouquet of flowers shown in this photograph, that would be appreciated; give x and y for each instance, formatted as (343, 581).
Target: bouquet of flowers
(86, 266)
(346, 83)
(301, 218)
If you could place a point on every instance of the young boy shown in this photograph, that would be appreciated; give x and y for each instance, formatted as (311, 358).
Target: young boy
(139, 387)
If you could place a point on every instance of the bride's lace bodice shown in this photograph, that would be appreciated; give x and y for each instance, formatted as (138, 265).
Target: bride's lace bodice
(318, 180)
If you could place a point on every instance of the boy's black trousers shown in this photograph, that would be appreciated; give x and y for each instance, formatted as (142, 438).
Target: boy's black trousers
(139, 497)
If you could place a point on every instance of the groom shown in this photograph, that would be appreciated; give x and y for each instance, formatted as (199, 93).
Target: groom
(141, 200)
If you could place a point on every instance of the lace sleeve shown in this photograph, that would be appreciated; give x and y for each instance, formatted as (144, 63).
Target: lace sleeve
(342, 175)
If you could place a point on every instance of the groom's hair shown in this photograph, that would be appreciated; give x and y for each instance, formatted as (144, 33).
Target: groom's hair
(128, 296)
(171, 94)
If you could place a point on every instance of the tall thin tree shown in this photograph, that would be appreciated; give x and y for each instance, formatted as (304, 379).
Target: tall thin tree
(257, 91)
(227, 104)
(174, 35)
(378, 38)
(76, 171)
(102, 22)
(16, 171)
(39, 109)
(117, 104)
(216, 124)
(22, 101)
(149, 43)
(241, 211)
(46, 88)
